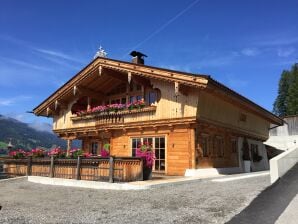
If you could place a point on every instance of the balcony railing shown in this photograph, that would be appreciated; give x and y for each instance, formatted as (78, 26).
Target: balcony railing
(112, 116)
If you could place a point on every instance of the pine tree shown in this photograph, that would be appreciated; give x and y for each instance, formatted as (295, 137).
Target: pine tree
(280, 104)
(292, 96)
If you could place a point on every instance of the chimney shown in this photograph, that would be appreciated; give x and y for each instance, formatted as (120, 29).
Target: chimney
(137, 57)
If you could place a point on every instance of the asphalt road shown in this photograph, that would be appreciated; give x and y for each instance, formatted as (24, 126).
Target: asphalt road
(200, 201)
(273, 203)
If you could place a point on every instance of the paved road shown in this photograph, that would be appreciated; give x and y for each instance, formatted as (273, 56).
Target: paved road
(200, 201)
(278, 203)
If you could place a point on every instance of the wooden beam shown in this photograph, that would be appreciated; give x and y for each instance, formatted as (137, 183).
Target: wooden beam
(61, 104)
(115, 74)
(176, 88)
(83, 91)
(142, 81)
(75, 90)
(48, 111)
(129, 77)
(100, 70)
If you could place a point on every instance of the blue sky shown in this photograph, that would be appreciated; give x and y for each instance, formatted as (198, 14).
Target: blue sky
(243, 44)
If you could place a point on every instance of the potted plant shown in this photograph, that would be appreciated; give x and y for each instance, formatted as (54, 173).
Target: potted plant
(57, 152)
(18, 154)
(246, 156)
(105, 151)
(75, 153)
(37, 153)
(146, 152)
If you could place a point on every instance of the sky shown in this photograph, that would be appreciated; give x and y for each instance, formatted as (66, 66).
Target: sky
(243, 44)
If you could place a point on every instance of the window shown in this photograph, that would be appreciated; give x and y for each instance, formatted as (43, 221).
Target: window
(158, 144)
(234, 145)
(132, 99)
(94, 148)
(136, 142)
(255, 153)
(115, 101)
(123, 100)
(204, 145)
(254, 148)
(151, 97)
(159, 147)
(139, 97)
(218, 146)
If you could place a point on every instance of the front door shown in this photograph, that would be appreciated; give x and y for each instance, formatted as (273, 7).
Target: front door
(158, 144)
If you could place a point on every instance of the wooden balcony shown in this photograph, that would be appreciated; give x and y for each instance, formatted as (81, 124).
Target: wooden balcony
(117, 117)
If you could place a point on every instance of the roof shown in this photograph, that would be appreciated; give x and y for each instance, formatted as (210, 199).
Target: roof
(189, 79)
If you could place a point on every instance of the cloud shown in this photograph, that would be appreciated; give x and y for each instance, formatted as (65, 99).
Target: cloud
(6, 102)
(218, 60)
(47, 54)
(41, 126)
(25, 64)
(250, 52)
(58, 54)
(277, 40)
(285, 52)
(13, 100)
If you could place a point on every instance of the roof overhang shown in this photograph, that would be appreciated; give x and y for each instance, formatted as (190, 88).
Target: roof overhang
(124, 69)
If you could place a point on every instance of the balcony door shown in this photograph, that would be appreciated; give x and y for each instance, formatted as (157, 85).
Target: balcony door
(158, 144)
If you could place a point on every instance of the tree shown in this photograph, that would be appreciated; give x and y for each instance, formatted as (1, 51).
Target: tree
(292, 97)
(280, 104)
(286, 102)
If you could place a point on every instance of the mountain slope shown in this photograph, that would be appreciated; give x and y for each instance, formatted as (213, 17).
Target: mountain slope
(25, 137)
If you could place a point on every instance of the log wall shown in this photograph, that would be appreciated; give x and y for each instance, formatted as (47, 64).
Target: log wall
(211, 133)
(179, 150)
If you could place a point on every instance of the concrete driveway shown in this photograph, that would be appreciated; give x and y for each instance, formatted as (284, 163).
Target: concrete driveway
(276, 204)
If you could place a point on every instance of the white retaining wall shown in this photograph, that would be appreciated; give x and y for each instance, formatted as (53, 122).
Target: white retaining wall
(282, 163)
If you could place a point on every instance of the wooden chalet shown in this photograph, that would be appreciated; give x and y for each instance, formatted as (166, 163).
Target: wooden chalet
(192, 121)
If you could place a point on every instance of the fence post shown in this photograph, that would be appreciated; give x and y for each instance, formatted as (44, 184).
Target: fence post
(52, 166)
(29, 166)
(78, 171)
(111, 169)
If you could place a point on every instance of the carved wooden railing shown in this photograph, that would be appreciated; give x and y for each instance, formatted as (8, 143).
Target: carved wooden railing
(112, 169)
(112, 116)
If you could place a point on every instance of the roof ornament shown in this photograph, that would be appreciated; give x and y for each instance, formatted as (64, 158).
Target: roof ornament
(101, 53)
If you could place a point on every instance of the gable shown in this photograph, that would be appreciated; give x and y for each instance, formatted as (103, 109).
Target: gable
(102, 75)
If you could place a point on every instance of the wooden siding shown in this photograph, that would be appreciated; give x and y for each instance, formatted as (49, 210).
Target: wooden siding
(216, 110)
(180, 146)
(210, 133)
(179, 152)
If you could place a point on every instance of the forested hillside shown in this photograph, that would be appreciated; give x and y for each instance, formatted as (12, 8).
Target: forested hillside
(25, 137)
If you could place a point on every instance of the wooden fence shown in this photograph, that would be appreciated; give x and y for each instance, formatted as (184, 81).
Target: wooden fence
(112, 169)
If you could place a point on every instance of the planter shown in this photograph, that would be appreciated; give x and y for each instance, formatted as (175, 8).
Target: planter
(247, 166)
(147, 173)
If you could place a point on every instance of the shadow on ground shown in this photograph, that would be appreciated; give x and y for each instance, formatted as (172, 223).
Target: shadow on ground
(270, 204)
